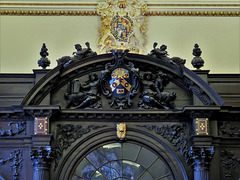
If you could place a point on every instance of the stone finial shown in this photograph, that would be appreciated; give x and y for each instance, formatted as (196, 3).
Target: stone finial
(44, 62)
(197, 61)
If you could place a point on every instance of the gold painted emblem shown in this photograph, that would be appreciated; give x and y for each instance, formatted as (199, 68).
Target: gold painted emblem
(121, 130)
(123, 25)
(201, 125)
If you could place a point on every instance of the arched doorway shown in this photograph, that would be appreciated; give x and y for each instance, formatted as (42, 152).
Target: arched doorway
(122, 161)
(141, 156)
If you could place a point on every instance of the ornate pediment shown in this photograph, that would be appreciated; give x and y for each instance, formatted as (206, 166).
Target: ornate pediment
(121, 80)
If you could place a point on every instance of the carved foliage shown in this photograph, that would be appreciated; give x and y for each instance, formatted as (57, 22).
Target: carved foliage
(16, 159)
(228, 129)
(14, 129)
(176, 134)
(229, 162)
(66, 135)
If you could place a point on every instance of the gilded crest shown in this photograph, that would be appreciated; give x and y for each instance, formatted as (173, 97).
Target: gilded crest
(123, 25)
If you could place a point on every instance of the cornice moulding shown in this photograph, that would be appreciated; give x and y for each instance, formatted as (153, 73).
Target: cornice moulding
(89, 8)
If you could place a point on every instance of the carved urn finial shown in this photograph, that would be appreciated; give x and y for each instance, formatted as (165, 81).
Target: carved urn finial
(197, 61)
(44, 62)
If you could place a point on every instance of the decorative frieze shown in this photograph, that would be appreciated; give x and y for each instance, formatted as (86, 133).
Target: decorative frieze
(14, 128)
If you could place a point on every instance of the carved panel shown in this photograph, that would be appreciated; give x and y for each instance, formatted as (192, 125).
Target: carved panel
(176, 134)
(230, 129)
(68, 134)
(16, 159)
(14, 128)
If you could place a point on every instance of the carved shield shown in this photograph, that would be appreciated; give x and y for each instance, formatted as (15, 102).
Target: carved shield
(121, 27)
(120, 82)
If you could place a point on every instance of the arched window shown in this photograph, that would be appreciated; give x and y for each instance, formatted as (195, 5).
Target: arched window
(122, 161)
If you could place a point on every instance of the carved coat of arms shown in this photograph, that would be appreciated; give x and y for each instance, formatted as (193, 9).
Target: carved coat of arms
(120, 81)
(123, 26)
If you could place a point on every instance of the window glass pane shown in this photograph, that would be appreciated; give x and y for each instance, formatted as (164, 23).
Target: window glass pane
(97, 157)
(84, 169)
(111, 170)
(146, 157)
(136, 162)
(130, 151)
(77, 178)
(157, 172)
(146, 176)
(98, 176)
(169, 177)
(131, 169)
(112, 151)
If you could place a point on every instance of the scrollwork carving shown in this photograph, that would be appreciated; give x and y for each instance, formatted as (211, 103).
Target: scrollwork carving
(68, 134)
(12, 131)
(229, 162)
(228, 129)
(175, 134)
(16, 159)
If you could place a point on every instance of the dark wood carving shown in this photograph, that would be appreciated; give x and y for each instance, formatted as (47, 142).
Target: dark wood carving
(176, 134)
(152, 92)
(16, 159)
(197, 61)
(14, 130)
(229, 163)
(44, 62)
(78, 97)
(228, 129)
(161, 54)
(66, 135)
(81, 53)
(113, 77)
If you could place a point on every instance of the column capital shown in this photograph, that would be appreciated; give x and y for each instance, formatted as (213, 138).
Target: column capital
(201, 155)
(41, 156)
